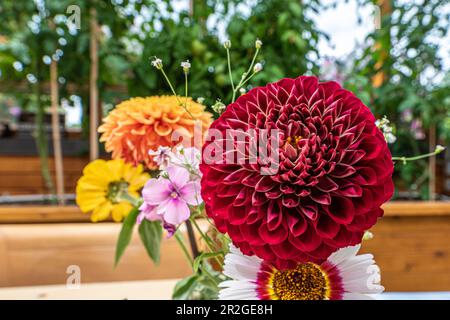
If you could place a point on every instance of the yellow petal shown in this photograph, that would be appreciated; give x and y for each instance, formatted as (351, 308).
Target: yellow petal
(120, 211)
(115, 169)
(101, 212)
(139, 181)
(92, 184)
(87, 205)
(97, 169)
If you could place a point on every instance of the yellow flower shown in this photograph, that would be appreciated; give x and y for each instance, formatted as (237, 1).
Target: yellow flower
(103, 186)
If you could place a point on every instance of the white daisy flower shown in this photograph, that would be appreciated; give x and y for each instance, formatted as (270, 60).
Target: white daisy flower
(344, 276)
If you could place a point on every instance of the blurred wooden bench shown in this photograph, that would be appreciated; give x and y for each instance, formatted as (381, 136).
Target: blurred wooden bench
(411, 245)
(22, 174)
(39, 254)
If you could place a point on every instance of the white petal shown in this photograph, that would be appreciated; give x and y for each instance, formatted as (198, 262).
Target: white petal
(240, 267)
(359, 273)
(237, 284)
(227, 294)
(356, 296)
(243, 271)
(343, 254)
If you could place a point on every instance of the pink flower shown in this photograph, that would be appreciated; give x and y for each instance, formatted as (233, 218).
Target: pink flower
(149, 212)
(171, 195)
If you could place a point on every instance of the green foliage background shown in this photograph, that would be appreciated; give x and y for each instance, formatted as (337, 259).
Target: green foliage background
(290, 48)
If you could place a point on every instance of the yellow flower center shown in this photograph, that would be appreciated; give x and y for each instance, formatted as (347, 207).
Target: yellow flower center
(306, 282)
(294, 140)
(174, 195)
(116, 189)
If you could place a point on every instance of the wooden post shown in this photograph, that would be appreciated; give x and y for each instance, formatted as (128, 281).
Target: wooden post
(380, 77)
(56, 134)
(93, 90)
(191, 8)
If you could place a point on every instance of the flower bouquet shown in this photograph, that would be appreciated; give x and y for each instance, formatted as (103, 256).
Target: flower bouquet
(275, 195)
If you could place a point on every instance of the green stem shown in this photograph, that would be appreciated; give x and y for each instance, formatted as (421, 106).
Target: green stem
(185, 89)
(207, 239)
(174, 93)
(245, 78)
(192, 241)
(180, 241)
(253, 62)
(229, 69)
(206, 272)
(135, 202)
(404, 160)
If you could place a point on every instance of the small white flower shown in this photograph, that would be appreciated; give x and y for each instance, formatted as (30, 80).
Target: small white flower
(157, 63)
(161, 156)
(386, 128)
(200, 100)
(257, 68)
(258, 44)
(186, 65)
(390, 138)
(227, 44)
(188, 158)
(343, 276)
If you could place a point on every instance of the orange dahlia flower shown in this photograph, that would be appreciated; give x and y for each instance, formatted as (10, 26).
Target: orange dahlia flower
(139, 125)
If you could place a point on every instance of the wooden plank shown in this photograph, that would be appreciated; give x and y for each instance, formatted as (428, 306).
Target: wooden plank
(44, 214)
(130, 290)
(413, 252)
(417, 208)
(41, 254)
(34, 180)
(21, 175)
(32, 164)
(40, 214)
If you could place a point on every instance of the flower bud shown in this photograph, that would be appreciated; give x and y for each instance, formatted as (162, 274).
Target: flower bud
(258, 44)
(257, 68)
(242, 91)
(186, 65)
(200, 100)
(227, 44)
(157, 63)
(439, 149)
(368, 235)
(219, 107)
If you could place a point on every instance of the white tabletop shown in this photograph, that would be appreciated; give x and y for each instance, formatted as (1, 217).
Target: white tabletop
(148, 290)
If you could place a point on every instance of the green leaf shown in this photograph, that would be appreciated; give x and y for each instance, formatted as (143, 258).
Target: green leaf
(125, 234)
(202, 256)
(195, 287)
(151, 236)
(184, 288)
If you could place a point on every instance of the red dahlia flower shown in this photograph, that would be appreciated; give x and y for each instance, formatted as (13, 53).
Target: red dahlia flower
(334, 173)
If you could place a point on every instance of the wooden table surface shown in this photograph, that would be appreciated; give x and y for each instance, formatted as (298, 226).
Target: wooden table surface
(131, 290)
(148, 290)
